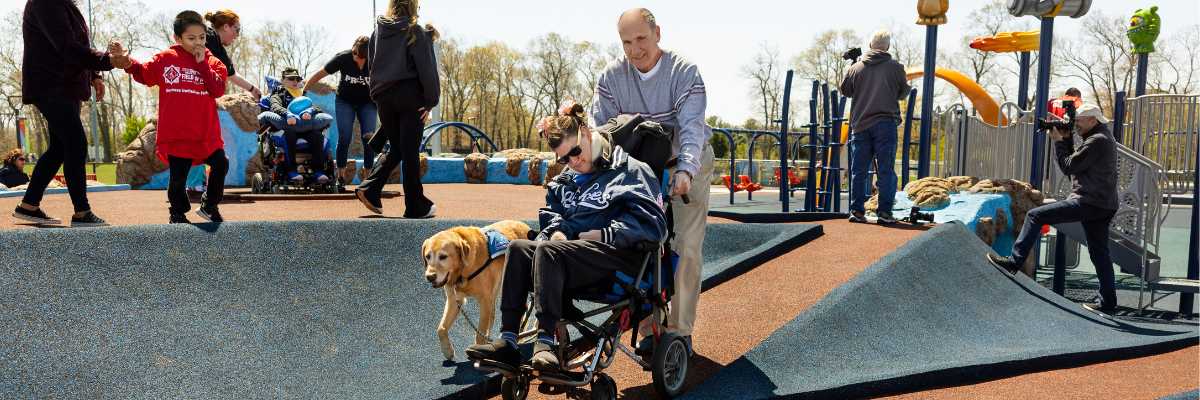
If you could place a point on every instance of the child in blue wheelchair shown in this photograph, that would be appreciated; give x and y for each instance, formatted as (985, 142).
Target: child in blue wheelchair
(294, 114)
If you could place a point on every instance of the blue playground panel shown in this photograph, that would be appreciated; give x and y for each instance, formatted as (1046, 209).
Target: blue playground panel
(90, 189)
(283, 309)
(933, 313)
(967, 208)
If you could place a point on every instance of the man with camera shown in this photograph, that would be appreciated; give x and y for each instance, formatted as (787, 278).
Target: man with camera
(1093, 171)
(877, 84)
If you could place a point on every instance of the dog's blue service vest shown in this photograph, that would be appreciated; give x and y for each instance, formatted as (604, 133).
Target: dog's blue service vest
(497, 246)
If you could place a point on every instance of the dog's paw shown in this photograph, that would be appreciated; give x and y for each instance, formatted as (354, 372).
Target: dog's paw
(448, 351)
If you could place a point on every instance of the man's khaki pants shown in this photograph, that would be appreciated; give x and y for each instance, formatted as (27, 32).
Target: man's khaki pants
(690, 220)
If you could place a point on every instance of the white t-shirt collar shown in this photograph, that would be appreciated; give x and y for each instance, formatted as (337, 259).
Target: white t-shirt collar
(647, 75)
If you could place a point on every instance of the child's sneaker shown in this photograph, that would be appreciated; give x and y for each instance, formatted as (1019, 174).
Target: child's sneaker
(209, 213)
(87, 220)
(320, 177)
(295, 176)
(179, 219)
(35, 216)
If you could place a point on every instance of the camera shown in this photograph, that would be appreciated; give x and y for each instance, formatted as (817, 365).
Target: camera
(1064, 125)
(853, 54)
(915, 215)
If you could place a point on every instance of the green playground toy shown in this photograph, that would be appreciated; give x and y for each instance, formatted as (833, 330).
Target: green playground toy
(1143, 30)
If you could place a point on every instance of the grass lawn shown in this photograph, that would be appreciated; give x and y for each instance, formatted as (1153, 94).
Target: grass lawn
(105, 173)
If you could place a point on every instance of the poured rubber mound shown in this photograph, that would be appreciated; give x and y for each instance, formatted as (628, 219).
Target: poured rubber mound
(297, 309)
(933, 313)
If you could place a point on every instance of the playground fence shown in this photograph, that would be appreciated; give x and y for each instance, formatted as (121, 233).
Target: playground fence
(1163, 128)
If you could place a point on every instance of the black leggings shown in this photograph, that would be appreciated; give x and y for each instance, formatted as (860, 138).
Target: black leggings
(68, 149)
(177, 186)
(399, 113)
(316, 146)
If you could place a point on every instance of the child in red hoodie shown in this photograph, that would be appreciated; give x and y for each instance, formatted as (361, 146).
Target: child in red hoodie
(189, 81)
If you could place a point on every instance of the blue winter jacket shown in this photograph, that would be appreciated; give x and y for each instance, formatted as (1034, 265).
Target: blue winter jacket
(622, 199)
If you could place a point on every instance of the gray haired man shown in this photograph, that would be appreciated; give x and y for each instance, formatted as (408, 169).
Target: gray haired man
(877, 84)
(663, 86)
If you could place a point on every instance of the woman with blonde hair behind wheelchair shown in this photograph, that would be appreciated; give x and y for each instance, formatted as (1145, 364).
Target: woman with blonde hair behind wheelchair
(596, 211)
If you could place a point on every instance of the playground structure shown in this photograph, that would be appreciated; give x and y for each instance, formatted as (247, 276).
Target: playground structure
(1158, 133)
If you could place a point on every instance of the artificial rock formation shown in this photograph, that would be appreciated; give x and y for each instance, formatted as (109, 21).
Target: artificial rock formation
(242, 108)
(1001, 221)
(475, 166)
(514, 163)
(535, 169)
(553, 168)
(985, 228)
(139, 162)
(1024, 197)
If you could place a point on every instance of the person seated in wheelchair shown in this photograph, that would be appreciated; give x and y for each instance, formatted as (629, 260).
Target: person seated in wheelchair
(597, 210)
(297, 117)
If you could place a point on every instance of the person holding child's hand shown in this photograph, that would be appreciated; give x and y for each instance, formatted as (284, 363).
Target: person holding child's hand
(59, 71)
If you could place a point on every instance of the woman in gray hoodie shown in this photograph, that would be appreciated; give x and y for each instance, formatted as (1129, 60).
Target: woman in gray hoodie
(404, 86)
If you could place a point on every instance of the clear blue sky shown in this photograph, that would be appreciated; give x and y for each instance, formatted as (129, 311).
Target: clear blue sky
(718, 36)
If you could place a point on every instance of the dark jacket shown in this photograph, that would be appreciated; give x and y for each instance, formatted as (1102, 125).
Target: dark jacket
(58, 60)
(621, 199)
(281, 98)
(392, 59)
(1093, 168)
(10, 176)
(877, 84)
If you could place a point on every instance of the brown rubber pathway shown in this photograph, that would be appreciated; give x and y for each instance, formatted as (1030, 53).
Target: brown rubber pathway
(734, 317)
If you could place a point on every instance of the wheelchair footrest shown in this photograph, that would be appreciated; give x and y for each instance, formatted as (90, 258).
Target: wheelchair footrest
(506, 370)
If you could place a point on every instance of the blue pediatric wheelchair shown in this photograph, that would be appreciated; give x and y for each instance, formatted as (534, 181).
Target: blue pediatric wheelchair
(618, 302)
(273, 150)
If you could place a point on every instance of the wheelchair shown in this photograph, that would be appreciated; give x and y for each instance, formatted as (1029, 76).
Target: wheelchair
(273, 149)
(626, 301)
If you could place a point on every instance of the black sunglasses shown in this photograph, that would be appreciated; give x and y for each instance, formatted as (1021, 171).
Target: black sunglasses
(21, 159)
(573, 153)
(292, 78)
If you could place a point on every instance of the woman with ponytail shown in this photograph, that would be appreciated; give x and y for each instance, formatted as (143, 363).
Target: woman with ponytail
(404, 85)
(224, 27)
(596, 211)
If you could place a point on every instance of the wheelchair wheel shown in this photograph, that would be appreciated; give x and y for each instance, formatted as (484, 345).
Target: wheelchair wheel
(604, 388)
(256, 185)
(515, 389)
(670, 367)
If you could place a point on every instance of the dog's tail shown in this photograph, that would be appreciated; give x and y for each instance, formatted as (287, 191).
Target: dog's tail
(532, 234)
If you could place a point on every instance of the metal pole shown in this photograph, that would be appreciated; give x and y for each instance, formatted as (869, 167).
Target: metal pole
(810, 197)
(1139, 88)
(1118, 130)
(908, 120)
(1193, 269)
(95, 134)
(927, 100)
(1045, 49)
(836, 160)
(826, 127)
(1060, 263)
(1023, 83)
(783, 138)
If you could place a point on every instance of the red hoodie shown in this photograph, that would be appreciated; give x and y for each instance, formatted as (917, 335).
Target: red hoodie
(188, 126)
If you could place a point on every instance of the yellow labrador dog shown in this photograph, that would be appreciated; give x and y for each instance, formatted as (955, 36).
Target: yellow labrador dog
(467, 261)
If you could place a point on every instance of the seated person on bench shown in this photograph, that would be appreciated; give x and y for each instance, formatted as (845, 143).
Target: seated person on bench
(601, 205)
(302, 120)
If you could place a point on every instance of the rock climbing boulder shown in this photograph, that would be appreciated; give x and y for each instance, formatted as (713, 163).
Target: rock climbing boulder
(475, 166)
(139, 162)
(985, 228)
(1024, 197)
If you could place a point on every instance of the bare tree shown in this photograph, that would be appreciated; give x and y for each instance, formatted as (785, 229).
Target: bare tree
(1175, 67)
(766, 86)
(1101, 57)
(823, 59)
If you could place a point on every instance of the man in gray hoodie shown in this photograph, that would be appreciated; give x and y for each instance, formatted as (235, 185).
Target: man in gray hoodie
(877, 84)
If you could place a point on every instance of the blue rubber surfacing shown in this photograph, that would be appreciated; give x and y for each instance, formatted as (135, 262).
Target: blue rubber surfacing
(296, 309)
(932, 313)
